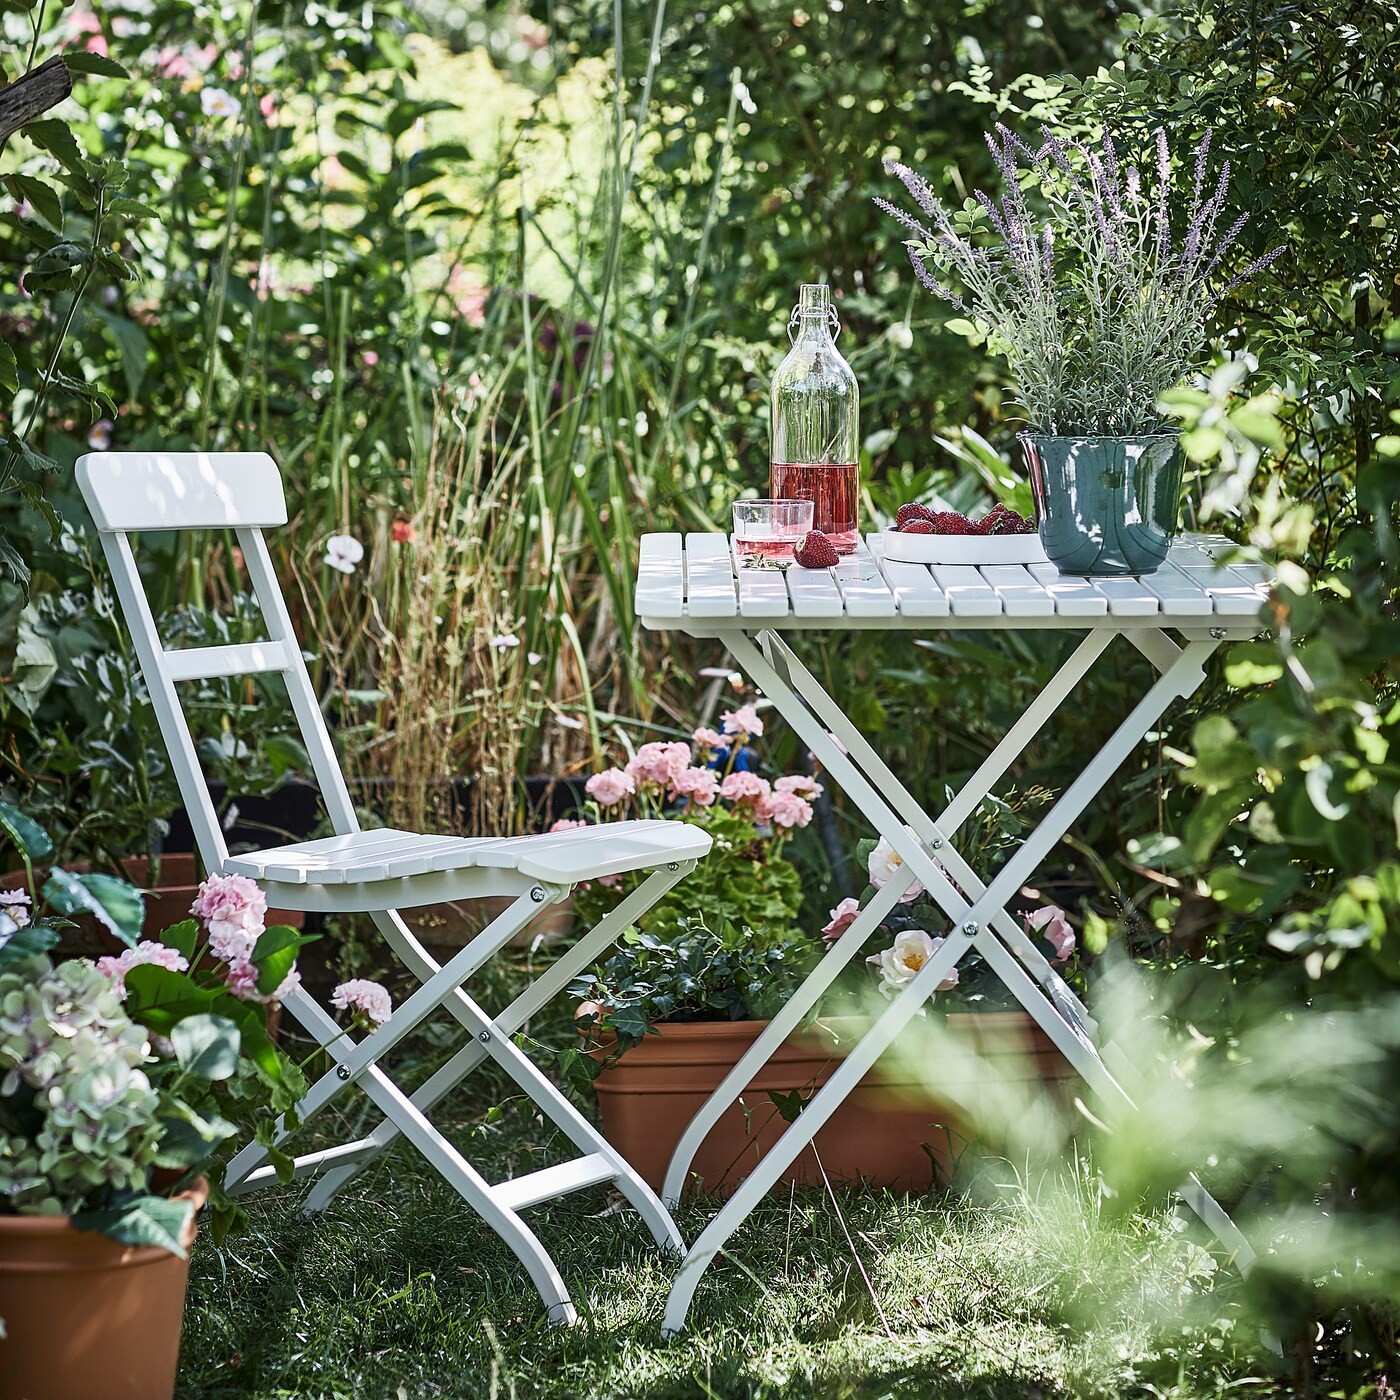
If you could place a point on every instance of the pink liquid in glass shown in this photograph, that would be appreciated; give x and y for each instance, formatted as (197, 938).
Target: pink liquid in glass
(832, 490)
(767, 551)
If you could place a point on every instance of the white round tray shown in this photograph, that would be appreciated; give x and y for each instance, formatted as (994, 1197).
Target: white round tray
(963, 549)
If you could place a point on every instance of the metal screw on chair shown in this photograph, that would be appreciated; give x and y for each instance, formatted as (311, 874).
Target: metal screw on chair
(484, 1037)
(343, 1071)
(936, 842)
(674, 865)
(1217, 634)
(537, 894)
(970, 928)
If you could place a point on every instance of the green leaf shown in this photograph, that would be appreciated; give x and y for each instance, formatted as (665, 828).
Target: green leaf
(56, 137)
(159, 998)
(9, 368)
(275, 955)
(97, 64)
(143, 1220)
(12, 563)
(207, 1046)
(251, 1018)
(183, 937)
(24, 833)
(25, 943)
(114, 903)
(45, 199)
(132, 209)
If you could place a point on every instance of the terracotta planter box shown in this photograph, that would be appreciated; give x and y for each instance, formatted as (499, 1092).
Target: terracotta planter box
(166, 904)
(87, 1317)
(890, 1132)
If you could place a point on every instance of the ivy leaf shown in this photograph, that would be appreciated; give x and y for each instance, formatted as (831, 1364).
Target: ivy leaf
(114, 903)
(24, 833)
(143, 1220)
(96, 64)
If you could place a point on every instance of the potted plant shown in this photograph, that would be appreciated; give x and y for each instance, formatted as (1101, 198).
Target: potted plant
(1098, 308)
(686, 993)
(120, 1081)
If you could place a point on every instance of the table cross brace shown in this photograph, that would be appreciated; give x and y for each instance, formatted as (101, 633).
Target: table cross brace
(977, 912)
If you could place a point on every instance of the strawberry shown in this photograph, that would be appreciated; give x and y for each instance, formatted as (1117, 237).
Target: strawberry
(919, 527)
(989, 522)
(911, 510)
(1010, 522)
(816, 551)
(951, 522)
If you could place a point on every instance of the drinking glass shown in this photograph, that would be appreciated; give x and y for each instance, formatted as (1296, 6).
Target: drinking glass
(766, 531)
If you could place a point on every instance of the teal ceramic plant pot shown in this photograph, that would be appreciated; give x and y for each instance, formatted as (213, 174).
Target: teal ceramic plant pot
(1107, 505)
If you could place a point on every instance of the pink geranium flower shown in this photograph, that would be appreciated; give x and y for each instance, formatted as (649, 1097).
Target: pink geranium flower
(231, 907)
(567, 824)
(700, 785)
(788, 810)
(743, 722)
(156, 954)
(842, 917)
(660, 763)
(1051, 924)
(609, 787)
(800, 784)
(708, 740)
(368, 1002)
(743, 787)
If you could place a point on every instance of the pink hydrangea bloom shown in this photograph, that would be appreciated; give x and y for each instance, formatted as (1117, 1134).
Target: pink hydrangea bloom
(800, 784)
(700, 785)
(151, 952)
(788, 810)
(708, 740)
(842, 917)
(1051, 924)
(369, 1003)
(660, 763)
(743, 721)
(609, 787)
(567, 824)
(745, 787)
(230, 906)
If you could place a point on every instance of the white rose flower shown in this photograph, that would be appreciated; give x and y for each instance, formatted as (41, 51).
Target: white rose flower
(884, 864)
(900, 963)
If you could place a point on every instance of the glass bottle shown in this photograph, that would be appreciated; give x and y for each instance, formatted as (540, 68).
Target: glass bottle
(815, 422)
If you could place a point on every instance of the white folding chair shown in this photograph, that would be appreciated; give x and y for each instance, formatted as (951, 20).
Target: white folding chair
(380, 872)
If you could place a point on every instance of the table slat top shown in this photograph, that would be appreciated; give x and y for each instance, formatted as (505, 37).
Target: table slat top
(692, 583)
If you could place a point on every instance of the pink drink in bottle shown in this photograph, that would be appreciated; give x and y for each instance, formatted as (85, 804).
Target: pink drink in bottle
(815, 422)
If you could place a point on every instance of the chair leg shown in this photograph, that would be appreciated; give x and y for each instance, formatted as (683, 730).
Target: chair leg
(537, 995)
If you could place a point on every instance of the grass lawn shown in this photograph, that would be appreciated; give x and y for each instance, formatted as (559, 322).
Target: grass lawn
(398, 1291)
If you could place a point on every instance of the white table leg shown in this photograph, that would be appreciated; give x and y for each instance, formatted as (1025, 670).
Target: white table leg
(799, 1133)
(865, 778)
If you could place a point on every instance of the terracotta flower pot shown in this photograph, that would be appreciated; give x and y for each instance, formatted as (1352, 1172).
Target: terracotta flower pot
(87, 1317)
(890, 1132)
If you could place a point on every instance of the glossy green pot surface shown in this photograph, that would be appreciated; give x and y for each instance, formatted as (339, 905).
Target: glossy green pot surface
(1107, 505)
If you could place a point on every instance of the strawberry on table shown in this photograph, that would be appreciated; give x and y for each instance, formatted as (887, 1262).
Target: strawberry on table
(816, 551)
(911, 510)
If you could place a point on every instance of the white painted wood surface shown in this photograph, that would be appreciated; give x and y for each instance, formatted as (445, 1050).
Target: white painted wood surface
(696, 581)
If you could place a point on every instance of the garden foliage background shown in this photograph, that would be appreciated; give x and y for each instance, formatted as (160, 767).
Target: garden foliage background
(501, 286)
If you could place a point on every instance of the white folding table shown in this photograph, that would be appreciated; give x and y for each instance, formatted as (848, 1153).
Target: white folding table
(691, 584)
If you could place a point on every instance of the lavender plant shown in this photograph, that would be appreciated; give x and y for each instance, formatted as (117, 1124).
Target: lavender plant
(1097, 307)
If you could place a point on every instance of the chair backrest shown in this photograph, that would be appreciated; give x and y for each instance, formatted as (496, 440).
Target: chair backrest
(127, 492)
